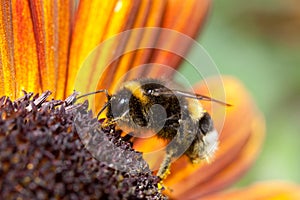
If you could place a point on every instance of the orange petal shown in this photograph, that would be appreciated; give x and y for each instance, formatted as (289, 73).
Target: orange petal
(165, 47)
(7, 69)
(153, 150)
(240, 141)
(65, 17)
(149, 14)
(186, 18)
(123, 18)
(91, 24)
(25, 52)
(34, 53)
(97, 21)
(51, 22)
(102, 68)
(276, 190)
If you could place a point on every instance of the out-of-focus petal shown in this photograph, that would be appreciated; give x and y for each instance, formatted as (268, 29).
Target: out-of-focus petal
(240, 141)
(153, 150)
(186, 18)
(165, 47)
(34, 46)
(272, 190)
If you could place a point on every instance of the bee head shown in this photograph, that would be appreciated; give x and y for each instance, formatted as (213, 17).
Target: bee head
(120, 103)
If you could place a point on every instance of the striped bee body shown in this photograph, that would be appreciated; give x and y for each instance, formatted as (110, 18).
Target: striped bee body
(176, 116)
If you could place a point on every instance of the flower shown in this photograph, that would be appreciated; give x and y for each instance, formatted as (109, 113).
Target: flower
(43, 157)
(44, 43)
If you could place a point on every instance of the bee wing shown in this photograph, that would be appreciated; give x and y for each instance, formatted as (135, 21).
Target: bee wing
(162, 91)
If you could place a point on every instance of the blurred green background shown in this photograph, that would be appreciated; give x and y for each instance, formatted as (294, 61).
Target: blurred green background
(259, 43)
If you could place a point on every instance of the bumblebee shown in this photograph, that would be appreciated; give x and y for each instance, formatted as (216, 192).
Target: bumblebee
(174, 115)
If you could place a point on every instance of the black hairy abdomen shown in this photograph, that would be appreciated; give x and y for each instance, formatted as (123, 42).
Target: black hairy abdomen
(173, 107)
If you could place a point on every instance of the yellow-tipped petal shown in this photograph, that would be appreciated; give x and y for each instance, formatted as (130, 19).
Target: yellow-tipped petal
(271, 190)
(91, 22)
(240, 142)
(122, 19)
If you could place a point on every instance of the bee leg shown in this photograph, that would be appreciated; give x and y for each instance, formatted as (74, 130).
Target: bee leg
(128, 137)
(172, 151)
(179, 145)
(164, 169)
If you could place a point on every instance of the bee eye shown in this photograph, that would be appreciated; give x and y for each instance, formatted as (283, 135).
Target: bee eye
(119, 106)
(122, 101)
(149, 91)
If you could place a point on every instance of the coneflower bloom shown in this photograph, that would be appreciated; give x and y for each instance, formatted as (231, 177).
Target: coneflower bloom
(44, 45)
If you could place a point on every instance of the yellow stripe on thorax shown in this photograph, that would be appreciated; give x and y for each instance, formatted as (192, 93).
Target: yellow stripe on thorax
(135, 88)
(195, 108)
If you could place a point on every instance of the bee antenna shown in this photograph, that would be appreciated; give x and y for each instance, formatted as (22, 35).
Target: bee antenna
(207, 98)
(108, 96)
(103, 108)
(95, 92)
(219, 102)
